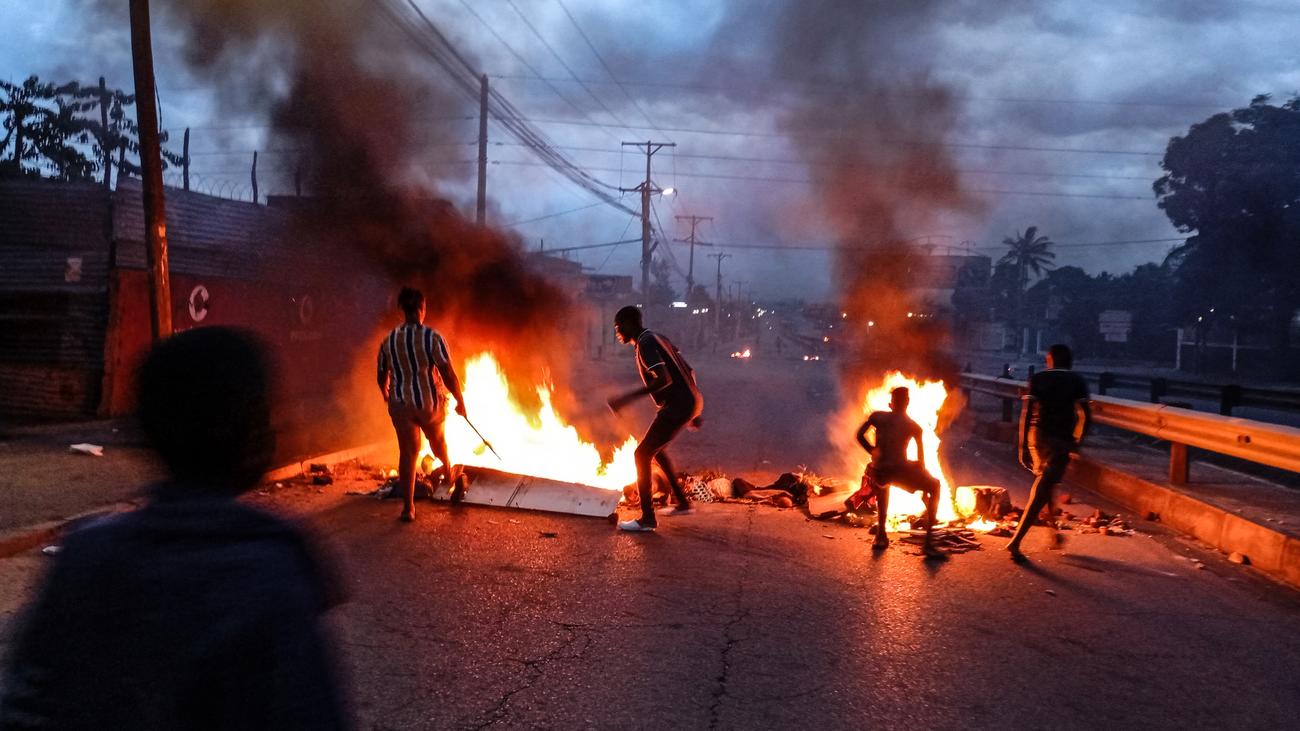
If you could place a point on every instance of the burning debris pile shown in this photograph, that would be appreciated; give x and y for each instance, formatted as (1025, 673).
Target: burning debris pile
(534, 440)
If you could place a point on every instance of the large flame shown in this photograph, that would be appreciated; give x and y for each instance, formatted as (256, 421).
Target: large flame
(541, 444)
(927, 399)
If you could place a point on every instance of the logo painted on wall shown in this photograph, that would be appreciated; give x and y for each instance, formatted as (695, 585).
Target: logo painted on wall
(198, 303)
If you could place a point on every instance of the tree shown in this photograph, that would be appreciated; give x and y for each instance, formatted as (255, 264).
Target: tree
(1231, 183)
(1027, 252)
(53, 128)
(26, 107)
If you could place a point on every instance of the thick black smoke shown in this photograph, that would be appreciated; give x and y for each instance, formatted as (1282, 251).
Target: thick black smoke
(341, 85)
(857, 102)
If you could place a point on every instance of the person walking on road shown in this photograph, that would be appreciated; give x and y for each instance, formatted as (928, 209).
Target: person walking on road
(415, 374)
(1053, 423)
(893, 431)
(197, 610)
(670, 381)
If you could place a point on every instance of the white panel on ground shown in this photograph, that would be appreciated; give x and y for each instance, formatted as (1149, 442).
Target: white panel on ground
(829, 503)
(503, 489)
(566, 497)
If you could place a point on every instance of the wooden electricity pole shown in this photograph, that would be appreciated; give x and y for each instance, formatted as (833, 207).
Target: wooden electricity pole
(481, 216)
(155, 214)
(717, 302)
(646, 188)
(253, 175)
(690, 268)
(104, 99)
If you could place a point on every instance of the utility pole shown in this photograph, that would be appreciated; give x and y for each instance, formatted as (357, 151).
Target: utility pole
(104, 99)
(690, 268)
(717, 301)
(646, 189)
(155, 212)
(185, 162)
(481, 217)
(253, 175)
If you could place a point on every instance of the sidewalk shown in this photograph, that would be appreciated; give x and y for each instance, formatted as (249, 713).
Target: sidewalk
(43, 480)
(1229, 510)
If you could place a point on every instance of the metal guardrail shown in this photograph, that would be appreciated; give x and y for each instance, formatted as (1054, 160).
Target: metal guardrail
(1255, 441)
(1229, 396)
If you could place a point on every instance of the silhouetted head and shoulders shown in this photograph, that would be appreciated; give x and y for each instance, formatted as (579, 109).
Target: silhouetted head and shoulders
(184, 611)
(653, 350)
(893, 429)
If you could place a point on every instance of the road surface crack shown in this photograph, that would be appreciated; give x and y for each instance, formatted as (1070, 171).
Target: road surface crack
(574, 647)
(730, 637)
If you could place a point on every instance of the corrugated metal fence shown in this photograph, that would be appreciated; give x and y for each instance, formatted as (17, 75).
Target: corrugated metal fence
(53, 297)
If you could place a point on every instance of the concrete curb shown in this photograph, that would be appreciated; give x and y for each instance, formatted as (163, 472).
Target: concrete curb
(299, 469)
(1269, 550)
(17, 540)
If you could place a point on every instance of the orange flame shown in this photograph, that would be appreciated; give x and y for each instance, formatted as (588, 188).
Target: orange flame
(541, 444)
(742, 354)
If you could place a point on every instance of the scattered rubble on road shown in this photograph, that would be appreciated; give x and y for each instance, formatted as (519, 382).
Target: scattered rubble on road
(950, 540)
(93, 450)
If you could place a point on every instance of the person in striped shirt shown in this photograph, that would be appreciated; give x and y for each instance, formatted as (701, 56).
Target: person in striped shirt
(670, 381)
(415, 375)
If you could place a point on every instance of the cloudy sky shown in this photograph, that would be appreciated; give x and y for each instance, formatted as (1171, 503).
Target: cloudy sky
(1062, 110)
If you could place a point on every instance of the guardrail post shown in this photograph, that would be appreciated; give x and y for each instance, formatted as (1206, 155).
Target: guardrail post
(1105, 381)
(1178, 463)
(1229, 397)
(1159, 387)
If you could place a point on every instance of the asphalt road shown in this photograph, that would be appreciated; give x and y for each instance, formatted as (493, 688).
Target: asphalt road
(753, 617)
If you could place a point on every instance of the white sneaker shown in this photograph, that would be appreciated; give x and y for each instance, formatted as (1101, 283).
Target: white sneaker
(677, 511)
(634, 526)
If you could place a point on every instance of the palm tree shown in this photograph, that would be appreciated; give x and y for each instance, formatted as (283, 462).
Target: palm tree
(1027, 252)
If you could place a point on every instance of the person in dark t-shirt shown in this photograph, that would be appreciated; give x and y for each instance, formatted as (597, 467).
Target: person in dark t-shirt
(1053, 422)
(670, 381)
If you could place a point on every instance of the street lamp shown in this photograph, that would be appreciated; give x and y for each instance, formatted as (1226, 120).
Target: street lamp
(669, 190)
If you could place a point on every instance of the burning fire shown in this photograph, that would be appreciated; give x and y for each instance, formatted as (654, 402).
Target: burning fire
(927, 399)
(540, 444)
(742, 354)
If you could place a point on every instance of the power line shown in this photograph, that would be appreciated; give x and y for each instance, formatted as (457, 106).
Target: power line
(752, 178)
(551, 215)
(292, 151)
(663, 238)
(522, 60)
(592, 47)
(799, 161)
(804, 181)
(223, 127)
(833, 247)
(436, 45)
(556, 55)
(731, 158)
(875, 91)
(745, 133)
(963, 145)
(592, 246)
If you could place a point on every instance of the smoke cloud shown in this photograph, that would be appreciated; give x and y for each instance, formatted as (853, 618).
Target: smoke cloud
(882, 175)
(343, 88)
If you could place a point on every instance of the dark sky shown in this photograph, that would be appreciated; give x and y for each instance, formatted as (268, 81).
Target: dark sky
(1062, 110)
